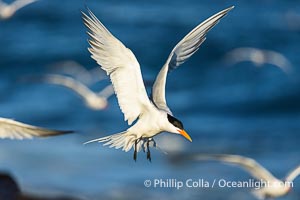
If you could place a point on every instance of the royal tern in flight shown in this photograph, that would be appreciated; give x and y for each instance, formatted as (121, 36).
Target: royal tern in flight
(273, 188)
(16, 130)
(79, 72)
(8, 10)
(259, 57)
(154, 116)
(95, 101)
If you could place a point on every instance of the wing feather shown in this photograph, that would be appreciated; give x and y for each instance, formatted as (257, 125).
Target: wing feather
(181, 52)
(17, 130)
(248, 164)
(69, 82)
(293, 174)
(18, 4)
(122, 67)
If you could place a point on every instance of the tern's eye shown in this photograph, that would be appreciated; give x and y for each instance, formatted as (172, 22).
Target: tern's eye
(175, 122)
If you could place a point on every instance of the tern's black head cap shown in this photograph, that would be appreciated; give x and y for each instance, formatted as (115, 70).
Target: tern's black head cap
(175, 122)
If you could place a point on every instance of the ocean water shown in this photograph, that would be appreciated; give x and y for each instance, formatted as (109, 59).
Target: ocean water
(236, 109)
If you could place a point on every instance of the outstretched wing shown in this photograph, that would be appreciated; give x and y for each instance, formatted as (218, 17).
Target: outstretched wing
(293, 174)
(17, 130)
(18, 4)
(181, 52)
(106, 92)
(248, 164)
(121, 66)
(82, 90)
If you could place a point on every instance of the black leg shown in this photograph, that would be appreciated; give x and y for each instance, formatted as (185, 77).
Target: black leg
(135, 151)
(144, 148)
(148, 152)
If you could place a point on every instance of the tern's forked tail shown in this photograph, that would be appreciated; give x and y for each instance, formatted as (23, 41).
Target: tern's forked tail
(122, 140)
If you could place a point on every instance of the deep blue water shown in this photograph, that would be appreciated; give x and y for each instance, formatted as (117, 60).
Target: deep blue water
(240, 109)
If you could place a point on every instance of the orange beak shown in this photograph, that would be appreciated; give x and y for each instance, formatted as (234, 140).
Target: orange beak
(184, 134)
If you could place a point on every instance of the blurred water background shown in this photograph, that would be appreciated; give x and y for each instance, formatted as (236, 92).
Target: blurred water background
(240, 109)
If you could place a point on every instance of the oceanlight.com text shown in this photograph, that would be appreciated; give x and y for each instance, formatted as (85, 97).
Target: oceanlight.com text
(202, 183)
